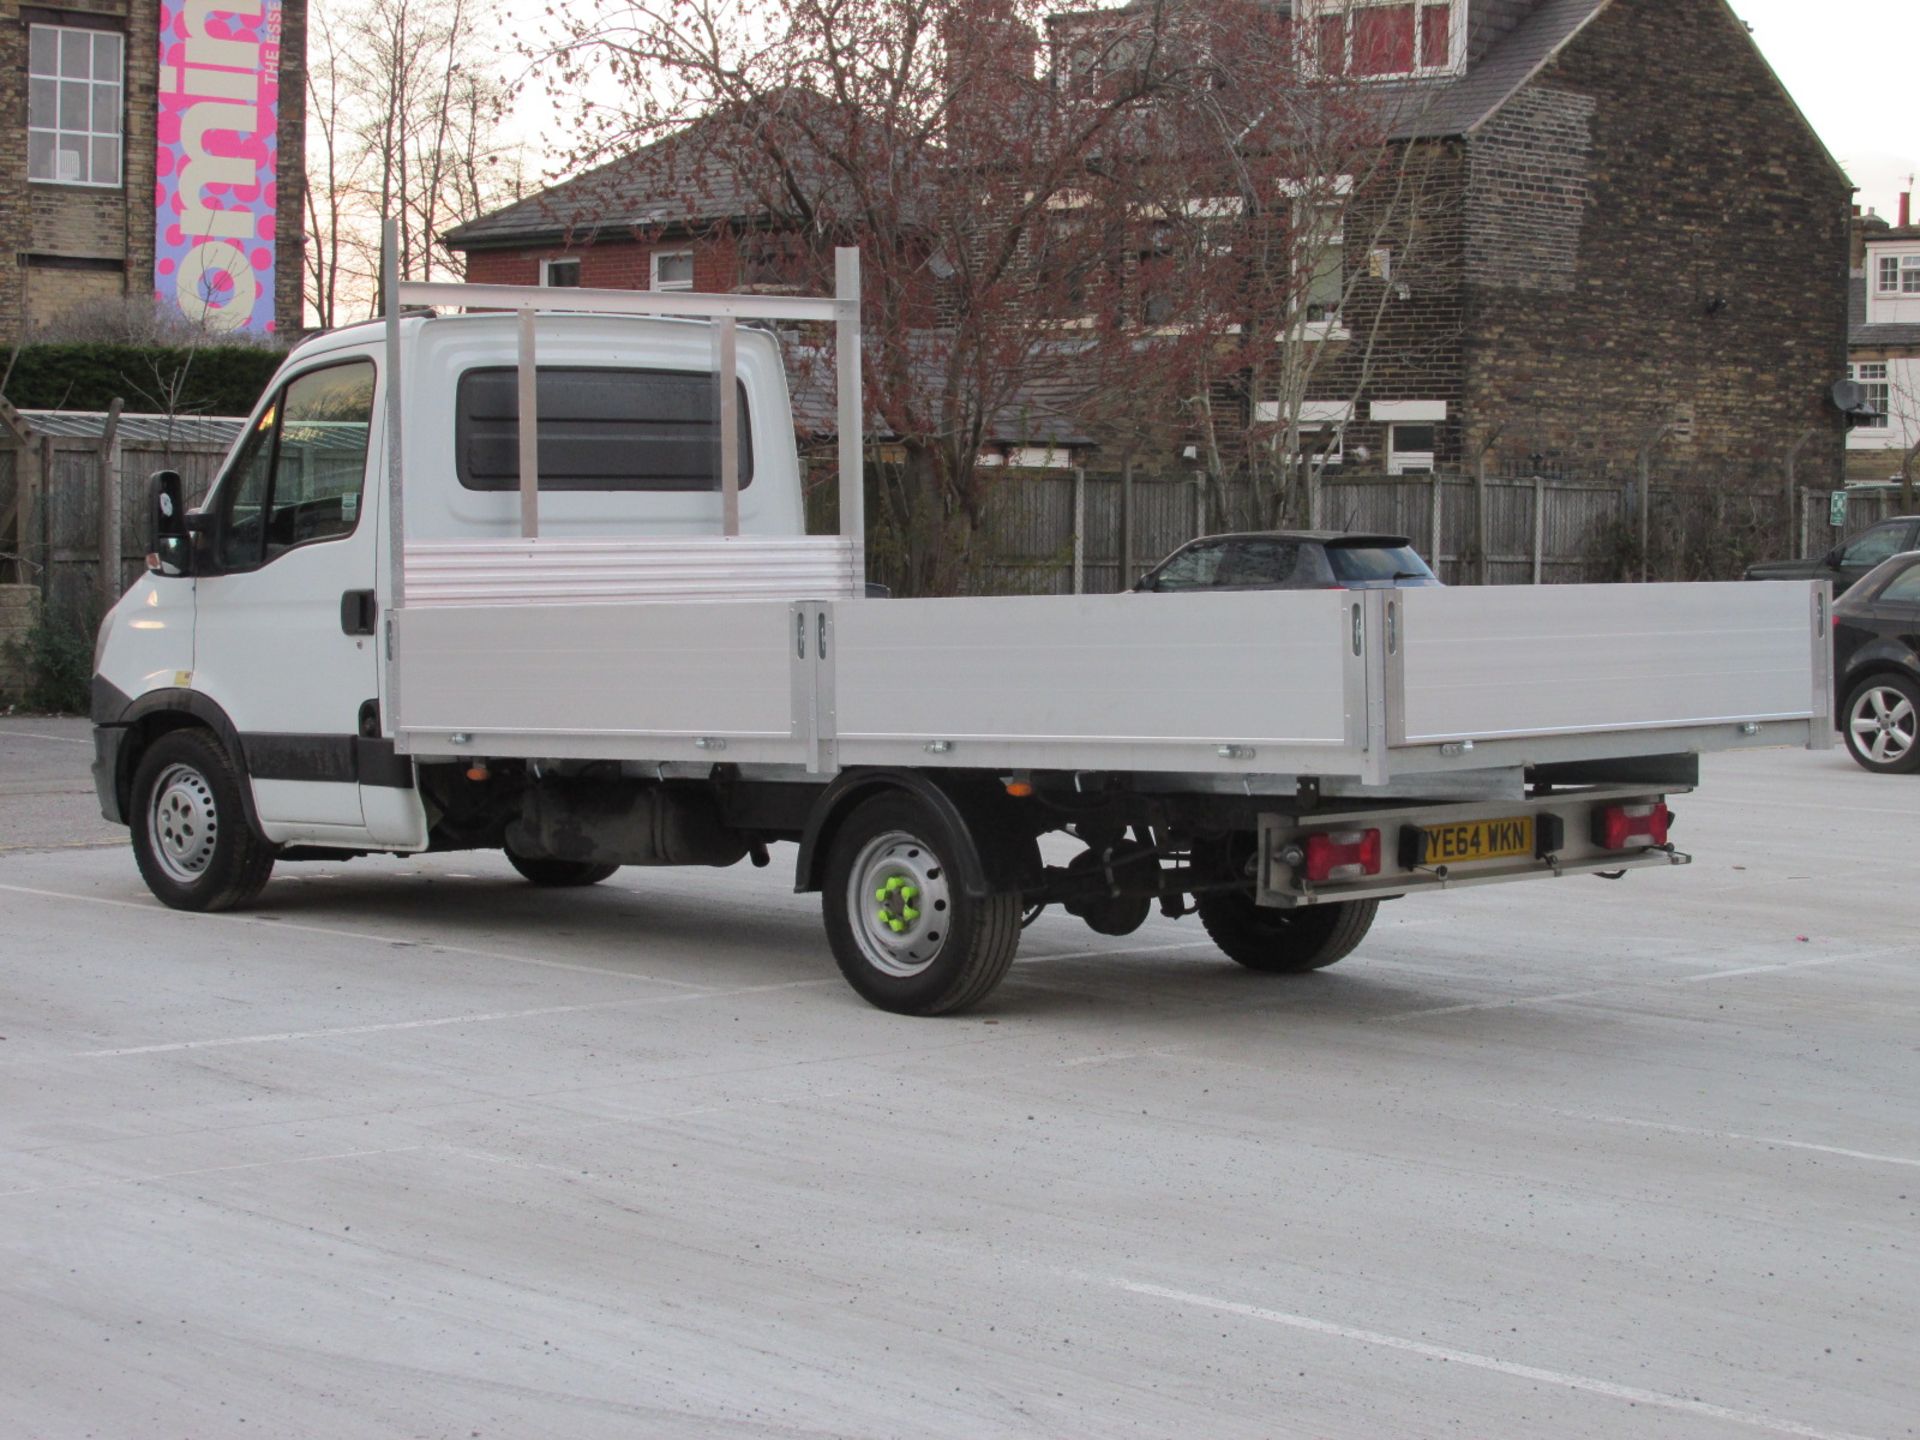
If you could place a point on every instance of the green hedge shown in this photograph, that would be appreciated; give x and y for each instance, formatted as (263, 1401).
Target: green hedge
(219, 380)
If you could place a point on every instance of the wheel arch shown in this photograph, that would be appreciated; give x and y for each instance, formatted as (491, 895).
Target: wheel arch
(1002, 852)
(161, 712)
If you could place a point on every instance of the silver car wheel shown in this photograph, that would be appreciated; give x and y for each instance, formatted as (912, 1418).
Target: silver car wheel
(1884, 725)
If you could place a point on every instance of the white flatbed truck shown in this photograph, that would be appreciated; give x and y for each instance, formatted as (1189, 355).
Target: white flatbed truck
(403, 622)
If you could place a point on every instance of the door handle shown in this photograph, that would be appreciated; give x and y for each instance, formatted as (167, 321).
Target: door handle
(358, 612)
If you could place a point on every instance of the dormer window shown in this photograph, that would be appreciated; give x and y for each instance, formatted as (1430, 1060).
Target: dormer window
(1900, 274)
(1385, 39)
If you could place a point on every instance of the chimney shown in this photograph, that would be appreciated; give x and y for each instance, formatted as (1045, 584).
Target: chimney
(1906, 208)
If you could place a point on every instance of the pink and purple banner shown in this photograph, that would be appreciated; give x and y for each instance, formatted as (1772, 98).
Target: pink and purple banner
(215, 162)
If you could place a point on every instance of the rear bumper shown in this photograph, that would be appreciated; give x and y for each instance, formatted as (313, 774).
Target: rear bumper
(1565, 815)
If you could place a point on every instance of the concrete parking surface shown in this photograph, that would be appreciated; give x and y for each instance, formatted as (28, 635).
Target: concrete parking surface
(416, 1150)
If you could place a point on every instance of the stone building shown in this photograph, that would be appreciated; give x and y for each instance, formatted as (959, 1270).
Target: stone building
(1639, 243)
(112, 127)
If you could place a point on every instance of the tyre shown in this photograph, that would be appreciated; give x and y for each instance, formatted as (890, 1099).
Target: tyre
(904, 933)
(1882, 725)
(559, 874)
(1285, 942)
(191, 838)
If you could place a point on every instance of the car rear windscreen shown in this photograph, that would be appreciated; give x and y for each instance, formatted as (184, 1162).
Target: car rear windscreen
(600, 429)
(1353, 564)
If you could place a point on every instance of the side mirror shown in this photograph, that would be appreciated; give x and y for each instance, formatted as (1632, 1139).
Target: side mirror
(167, 548)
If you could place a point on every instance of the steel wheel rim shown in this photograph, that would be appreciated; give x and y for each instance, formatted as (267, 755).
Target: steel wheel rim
(1883, 725)
(183, 823)
(900, 904)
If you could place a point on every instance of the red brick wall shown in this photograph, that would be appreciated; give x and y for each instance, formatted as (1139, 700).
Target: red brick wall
(609, 264)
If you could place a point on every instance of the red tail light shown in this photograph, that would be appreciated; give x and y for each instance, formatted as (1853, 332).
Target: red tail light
(1623, 827)
(1343, 855)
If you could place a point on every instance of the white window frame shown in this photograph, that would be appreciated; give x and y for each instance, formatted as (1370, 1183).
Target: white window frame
(63, 35)
(547, 268)
(1883, 382)
(1304, 194)
(653, 270)
(1408, 462)
(1313, 11)
(1889, 269)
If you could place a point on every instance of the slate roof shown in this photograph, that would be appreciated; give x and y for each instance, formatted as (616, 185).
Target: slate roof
(1864, 335)
(692, 177)
(1045, 410)
(1458, 107)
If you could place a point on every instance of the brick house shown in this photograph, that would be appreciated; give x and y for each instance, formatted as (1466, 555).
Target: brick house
(1641, 243)
(80, 93)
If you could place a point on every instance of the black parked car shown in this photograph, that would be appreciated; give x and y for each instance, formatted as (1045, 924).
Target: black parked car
(1845, 564)
(1876, 666)
(1289, 560)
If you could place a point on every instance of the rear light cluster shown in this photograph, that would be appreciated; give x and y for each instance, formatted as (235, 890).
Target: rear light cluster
(1623, 827)
(1342, 855)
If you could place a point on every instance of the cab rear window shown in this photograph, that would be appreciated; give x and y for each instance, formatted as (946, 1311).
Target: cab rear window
(600, 429)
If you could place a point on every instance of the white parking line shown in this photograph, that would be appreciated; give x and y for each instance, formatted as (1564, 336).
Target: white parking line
(1633, 1395)
(52, 739)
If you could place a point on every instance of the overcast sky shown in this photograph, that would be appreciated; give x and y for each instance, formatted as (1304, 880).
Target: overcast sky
(1849, 63)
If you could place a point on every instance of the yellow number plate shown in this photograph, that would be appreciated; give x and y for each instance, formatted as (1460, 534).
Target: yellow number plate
(1479, 840)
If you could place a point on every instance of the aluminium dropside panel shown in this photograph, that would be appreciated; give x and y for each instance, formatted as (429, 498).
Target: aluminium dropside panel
(1496, 664)
(1166, 683)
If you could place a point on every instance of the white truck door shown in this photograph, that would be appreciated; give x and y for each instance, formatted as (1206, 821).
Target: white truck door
(285, 600)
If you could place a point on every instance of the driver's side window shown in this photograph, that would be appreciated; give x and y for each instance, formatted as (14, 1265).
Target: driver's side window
(1194, 568)
(298, 476)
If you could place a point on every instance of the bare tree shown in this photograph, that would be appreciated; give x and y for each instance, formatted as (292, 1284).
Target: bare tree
(406, 123)
(1137, 231)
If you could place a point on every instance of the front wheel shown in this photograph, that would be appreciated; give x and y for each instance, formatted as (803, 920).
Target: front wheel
(1883, 725)
(1285, 941)
(559, 874)
(908, 938)
(191, 838)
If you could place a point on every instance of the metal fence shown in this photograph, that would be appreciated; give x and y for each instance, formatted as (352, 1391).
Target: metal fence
(1058, 532)
(1044, 532)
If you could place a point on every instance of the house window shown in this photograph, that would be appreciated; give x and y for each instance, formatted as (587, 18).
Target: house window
(1320, 261)
(673, 270)
(560, 274)
(1369, 38)
(73, 105)
(1410, 449)
(1899, 275)
(1321, 444)
(1873, 379)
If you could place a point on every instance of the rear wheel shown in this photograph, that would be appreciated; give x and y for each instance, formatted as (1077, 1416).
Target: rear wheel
(191, 838)
(905, 934)
(1883, 725)
(559, 874)
(1283, 941)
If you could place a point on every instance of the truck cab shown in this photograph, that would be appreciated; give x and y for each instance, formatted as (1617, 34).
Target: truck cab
(262, 623)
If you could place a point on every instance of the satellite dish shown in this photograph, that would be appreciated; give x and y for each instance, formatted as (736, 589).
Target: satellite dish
(1849, 397)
